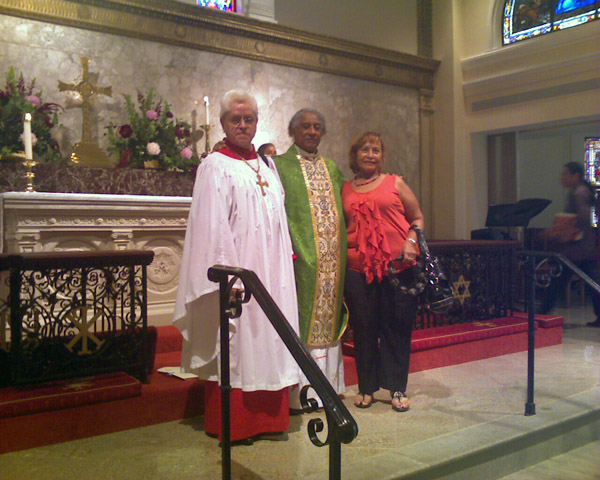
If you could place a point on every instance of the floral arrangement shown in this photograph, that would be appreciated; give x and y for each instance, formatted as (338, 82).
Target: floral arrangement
(152, 134)
(16, 99)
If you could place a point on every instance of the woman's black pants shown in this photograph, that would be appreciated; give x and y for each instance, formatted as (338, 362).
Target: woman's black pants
(382, 320)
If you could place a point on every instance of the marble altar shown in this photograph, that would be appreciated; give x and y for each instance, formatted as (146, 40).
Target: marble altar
(46, 222)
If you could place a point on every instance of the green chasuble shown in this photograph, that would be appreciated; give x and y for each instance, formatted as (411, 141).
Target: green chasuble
(316, 220)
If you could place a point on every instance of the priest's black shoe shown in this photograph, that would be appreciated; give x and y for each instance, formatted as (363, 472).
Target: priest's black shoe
(594, 324)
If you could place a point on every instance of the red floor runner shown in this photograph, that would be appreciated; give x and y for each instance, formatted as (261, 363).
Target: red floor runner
(166, 398)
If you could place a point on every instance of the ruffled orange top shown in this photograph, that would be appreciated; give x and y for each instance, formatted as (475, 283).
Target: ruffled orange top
(377, 227)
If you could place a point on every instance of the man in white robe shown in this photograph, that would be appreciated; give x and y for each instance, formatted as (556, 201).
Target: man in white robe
(237, 218)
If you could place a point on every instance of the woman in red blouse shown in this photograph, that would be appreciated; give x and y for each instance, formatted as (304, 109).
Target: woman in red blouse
(379, 210)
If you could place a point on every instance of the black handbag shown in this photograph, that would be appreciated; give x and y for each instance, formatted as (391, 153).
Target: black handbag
(431, 284)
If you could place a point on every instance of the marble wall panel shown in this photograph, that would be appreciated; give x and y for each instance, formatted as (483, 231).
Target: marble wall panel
(183, 76)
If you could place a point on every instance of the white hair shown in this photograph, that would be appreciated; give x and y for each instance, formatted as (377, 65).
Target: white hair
(237, 96)
(295, 121)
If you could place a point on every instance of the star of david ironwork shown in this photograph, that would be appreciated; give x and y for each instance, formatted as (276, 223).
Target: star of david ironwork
(461, 287)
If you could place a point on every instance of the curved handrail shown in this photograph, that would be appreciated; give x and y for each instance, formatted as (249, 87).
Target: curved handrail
(345, 428)
(564, 261)
(530, 256)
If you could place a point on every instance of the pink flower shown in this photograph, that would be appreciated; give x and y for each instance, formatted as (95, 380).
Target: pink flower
(153, 148)
(187, 153)
(151, 114)
(33, 139)
(33, 100)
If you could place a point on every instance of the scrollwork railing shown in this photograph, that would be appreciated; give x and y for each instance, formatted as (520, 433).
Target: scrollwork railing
(482, 274)
(341, 426)
(73, 314)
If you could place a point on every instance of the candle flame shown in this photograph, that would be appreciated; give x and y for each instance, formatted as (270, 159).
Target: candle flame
(28, 117)
(206, 101)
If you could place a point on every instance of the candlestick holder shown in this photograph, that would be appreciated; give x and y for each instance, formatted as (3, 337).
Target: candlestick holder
(206, 129)
(29, 164)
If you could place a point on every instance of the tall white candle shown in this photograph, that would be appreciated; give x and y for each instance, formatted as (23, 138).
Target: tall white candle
(27, 137)
(206, 106)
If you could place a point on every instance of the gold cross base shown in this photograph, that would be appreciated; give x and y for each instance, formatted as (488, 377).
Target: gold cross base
(88, 154)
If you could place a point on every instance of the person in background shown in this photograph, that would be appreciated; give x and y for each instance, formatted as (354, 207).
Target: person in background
(573, 236)
(267, 149)
(380, 210)
(237, 218)
(312, 185)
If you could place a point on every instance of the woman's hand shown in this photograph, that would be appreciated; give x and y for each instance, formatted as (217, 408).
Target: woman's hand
(409, 250)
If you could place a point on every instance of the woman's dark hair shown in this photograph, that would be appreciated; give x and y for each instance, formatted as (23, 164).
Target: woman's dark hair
(576, 168)
(263, 147)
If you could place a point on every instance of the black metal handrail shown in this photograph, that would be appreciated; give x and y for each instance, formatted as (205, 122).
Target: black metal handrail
(529, 257)
(341, 426)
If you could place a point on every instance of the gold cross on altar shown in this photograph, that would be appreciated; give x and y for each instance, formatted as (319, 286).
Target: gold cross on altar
(87, 153)
(261, 184)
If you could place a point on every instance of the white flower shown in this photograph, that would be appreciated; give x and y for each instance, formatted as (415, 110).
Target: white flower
(153, 148)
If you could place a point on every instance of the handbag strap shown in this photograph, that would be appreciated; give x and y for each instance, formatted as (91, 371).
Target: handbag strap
(423, 248)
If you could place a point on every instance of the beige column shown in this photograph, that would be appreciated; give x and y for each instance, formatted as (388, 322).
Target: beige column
(426, 158)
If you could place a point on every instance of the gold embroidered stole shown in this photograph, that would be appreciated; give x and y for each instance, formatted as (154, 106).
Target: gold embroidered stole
(326, 226)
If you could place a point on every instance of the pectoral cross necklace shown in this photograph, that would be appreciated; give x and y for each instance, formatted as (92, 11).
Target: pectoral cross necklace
(259, 181)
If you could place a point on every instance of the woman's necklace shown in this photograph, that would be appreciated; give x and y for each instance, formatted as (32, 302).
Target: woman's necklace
(371, 180)
(259, 180)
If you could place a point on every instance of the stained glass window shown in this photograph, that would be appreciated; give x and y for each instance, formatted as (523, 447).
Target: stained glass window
(524, 19)
(225, 5)
(592, 168)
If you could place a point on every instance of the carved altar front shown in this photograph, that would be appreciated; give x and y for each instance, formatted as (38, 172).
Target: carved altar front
(50, 222)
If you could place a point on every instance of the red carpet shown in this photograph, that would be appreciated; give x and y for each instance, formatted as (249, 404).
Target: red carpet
(167, 398)
(467, 342)
(163, 399)
(25, 400)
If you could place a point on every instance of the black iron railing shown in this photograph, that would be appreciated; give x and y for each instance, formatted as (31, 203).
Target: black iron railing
(341, 426)
(483, 276)
(72, 314)
(539, 275)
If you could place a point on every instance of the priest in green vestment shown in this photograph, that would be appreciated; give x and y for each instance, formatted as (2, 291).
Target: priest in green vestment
(313, 204)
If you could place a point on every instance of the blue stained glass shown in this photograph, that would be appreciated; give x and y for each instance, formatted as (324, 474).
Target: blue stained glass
(225, 5)
(592, 168)
(524, 19)
(564, 6)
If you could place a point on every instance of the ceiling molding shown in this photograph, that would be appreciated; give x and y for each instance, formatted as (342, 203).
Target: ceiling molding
(533, 70)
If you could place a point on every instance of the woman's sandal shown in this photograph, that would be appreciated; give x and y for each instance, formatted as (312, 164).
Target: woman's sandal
(359, 400)
(400, 402)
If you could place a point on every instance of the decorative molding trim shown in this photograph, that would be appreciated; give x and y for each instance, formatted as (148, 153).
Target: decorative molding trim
(79, 220)
(533, 69)
(176, 23)
(426, 100)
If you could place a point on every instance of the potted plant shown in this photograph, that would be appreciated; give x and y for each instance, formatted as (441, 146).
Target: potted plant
(153, 138)
(16, 99)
